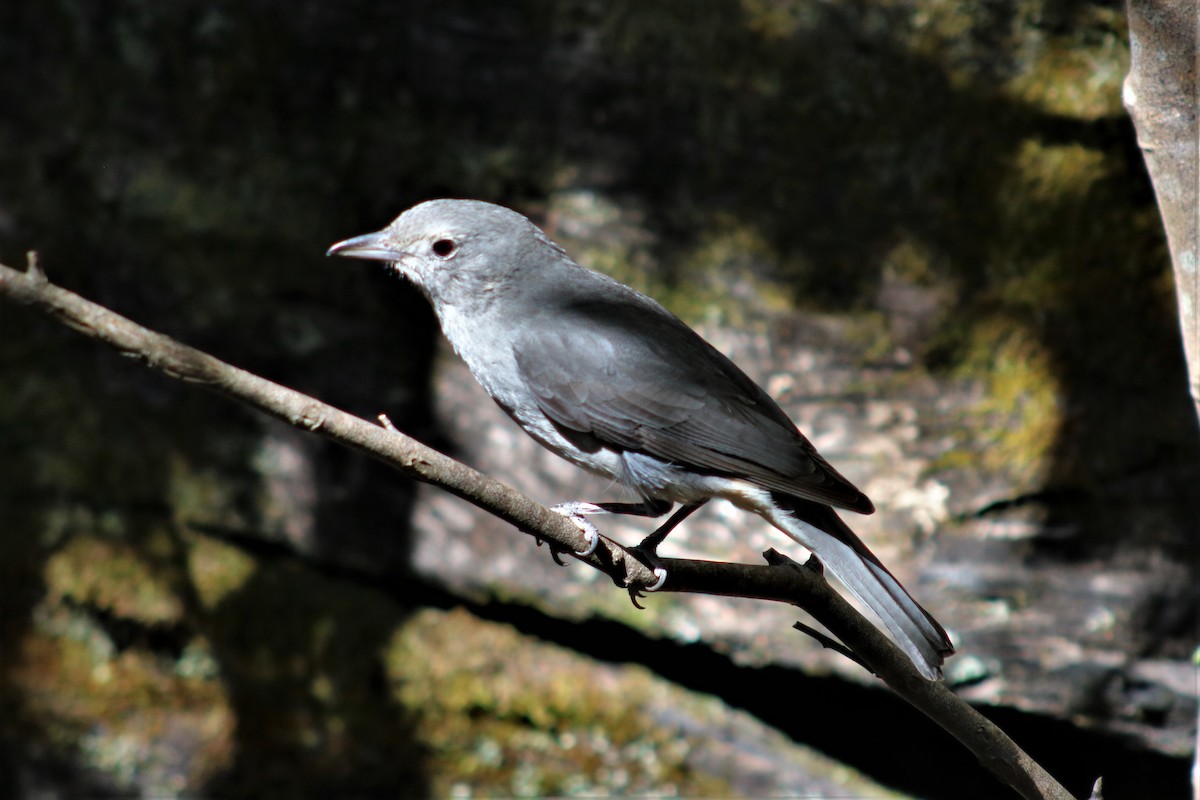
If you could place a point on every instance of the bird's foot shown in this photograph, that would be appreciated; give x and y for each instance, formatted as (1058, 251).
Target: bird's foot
(647, 553)
(576, 513)
(647, 549)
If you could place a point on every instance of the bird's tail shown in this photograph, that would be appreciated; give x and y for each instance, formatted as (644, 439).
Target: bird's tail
(821, 530)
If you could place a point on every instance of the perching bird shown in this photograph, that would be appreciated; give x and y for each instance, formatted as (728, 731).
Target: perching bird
(610, 380)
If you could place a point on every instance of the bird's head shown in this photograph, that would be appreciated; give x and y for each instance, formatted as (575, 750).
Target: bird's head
(455, 250)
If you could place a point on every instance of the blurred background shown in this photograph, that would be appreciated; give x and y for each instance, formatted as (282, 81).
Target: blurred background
(925, 227)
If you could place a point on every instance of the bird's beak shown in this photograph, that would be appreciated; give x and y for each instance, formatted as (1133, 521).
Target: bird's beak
(374, 246)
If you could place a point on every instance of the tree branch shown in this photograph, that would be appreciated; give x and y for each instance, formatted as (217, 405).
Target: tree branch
(785, 581)
(1160, 96)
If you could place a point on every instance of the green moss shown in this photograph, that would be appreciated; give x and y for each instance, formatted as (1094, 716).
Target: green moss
(1018, 421)
(1041, 324)
(217, 569)
(121, 713)
(503, 714)
(1077, 73)
(114, 577)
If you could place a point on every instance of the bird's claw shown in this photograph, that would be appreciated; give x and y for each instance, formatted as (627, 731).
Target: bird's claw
(660, 574)
(575, 512)
(637, 592)
(647, 553)
(555, 551)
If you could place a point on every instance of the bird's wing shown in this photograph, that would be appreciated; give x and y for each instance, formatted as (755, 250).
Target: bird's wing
(638, 379)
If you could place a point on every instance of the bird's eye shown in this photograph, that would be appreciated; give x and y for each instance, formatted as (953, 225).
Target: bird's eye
(444, 247)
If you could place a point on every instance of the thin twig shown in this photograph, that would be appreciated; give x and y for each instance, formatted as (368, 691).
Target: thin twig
(829, 643)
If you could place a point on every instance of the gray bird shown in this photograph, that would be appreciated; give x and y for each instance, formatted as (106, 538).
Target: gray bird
(607, 378)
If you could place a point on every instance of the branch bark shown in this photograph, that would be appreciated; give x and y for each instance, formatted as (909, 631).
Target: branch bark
(1160, 96)
(783, 581)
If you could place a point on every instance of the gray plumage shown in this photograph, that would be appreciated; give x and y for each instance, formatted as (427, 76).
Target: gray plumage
(610, 380)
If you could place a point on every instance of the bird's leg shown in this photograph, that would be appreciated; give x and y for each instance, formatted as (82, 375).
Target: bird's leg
(648, 547)
(650, 543)
(577, 511)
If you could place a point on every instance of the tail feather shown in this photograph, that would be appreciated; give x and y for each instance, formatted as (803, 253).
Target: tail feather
(818, 527)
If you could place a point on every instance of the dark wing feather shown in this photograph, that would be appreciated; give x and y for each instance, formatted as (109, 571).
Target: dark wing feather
(637, 378)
